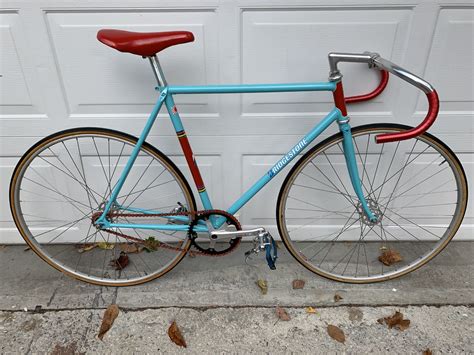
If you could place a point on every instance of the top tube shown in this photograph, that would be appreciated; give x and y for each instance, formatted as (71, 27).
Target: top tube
(249, 88)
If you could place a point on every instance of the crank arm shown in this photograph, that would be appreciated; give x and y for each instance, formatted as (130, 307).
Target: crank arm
(239, 234)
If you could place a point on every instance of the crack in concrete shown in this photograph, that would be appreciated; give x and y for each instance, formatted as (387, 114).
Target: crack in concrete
(114, 297)
(28, 348)
(205, 308)
(97, 297)
(52, 297)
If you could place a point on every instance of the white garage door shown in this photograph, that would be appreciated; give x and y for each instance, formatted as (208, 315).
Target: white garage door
(56, 75)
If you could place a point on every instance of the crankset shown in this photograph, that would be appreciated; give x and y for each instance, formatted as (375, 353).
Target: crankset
(213, 244)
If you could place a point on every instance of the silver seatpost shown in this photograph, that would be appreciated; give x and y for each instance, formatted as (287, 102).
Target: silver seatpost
(155, 65)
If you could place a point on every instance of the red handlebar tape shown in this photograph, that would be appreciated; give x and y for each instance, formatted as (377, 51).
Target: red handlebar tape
(433, 110)
(378, 90)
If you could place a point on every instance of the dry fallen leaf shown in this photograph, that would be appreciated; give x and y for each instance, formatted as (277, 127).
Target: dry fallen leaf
(110, 314)
(175, 335)
(298, 284)
(427, 352)
(105, 245)
(336, 333)
(337, 297)
(390, 257)
(282, 314)
(262, 284)
(151, 244)
(81, 248)
(395, 321)
(121, 262)
(311, 310)
(130, 248)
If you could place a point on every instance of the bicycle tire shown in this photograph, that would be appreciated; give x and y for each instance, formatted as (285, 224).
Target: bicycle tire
(147, 150)
(292, 245)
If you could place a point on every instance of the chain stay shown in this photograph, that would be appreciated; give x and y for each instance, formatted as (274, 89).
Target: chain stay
(194, 214)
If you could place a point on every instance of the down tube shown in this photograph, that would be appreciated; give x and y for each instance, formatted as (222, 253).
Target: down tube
(275, 170)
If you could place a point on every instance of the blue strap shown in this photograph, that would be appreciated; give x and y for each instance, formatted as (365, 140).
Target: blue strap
(271, 253)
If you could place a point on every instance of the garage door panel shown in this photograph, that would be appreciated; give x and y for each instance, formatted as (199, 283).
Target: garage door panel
(17, 98)
(7, 164)
(449, 65)
(122, 83)
(292, 46)
(56, 75)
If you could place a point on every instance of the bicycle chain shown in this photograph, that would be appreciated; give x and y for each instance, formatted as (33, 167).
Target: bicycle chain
(194, 214)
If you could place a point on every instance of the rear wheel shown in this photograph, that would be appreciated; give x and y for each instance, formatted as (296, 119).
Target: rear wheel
(417, 188)
(62, 184)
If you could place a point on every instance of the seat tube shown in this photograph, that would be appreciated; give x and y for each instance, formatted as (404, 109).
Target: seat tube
(348, 148)
(188, 152)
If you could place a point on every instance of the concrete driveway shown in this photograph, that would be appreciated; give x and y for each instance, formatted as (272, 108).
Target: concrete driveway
(219, 309)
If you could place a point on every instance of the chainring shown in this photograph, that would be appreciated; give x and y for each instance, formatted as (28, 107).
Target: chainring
(204, 216)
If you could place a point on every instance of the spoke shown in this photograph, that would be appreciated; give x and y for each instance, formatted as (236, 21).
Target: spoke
(408, 220)
(376, 169)
(72, 225)
(316, 189)
(361, 238)
(41, 217)
(321, 208)
(412, 178)
(337, 175)
(108, 165)
(138, 254)
(78, 242)
(80, 255)
(86, 188)
(399, 178)
(68, 199)
(395, 174)
(84, 174)
(364, 171)
(100, 160)
(138, 181)
(136, 197)
(401, 227)
(330, 181)
(346, 226)
(327, 185)
(41, 195)
(146, 189)
(361, 180)
(423, 194)
(113, 173)
(430, 205)
(422, 181)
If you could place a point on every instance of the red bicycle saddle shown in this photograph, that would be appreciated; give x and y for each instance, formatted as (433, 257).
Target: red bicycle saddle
(145, 44)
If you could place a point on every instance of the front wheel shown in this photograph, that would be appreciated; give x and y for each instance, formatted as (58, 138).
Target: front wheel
(63, 183)
(417, 188)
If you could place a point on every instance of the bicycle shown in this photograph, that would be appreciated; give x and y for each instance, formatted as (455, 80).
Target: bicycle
(108, 208)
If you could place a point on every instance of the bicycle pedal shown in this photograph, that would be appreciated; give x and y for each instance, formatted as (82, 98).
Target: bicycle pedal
(264, 242)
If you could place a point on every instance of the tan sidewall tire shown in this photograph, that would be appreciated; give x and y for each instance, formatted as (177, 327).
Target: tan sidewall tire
(315, 150)
(104, 132)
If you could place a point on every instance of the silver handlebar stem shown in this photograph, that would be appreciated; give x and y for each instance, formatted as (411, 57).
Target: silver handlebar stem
(375, 60)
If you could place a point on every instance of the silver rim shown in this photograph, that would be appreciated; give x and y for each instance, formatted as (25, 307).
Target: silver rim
(68, 179)
(415, 186)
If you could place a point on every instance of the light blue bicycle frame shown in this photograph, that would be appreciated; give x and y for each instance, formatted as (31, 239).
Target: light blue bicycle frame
(166, 97)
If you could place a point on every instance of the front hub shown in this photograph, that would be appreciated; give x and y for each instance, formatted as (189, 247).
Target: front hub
(374, 207)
